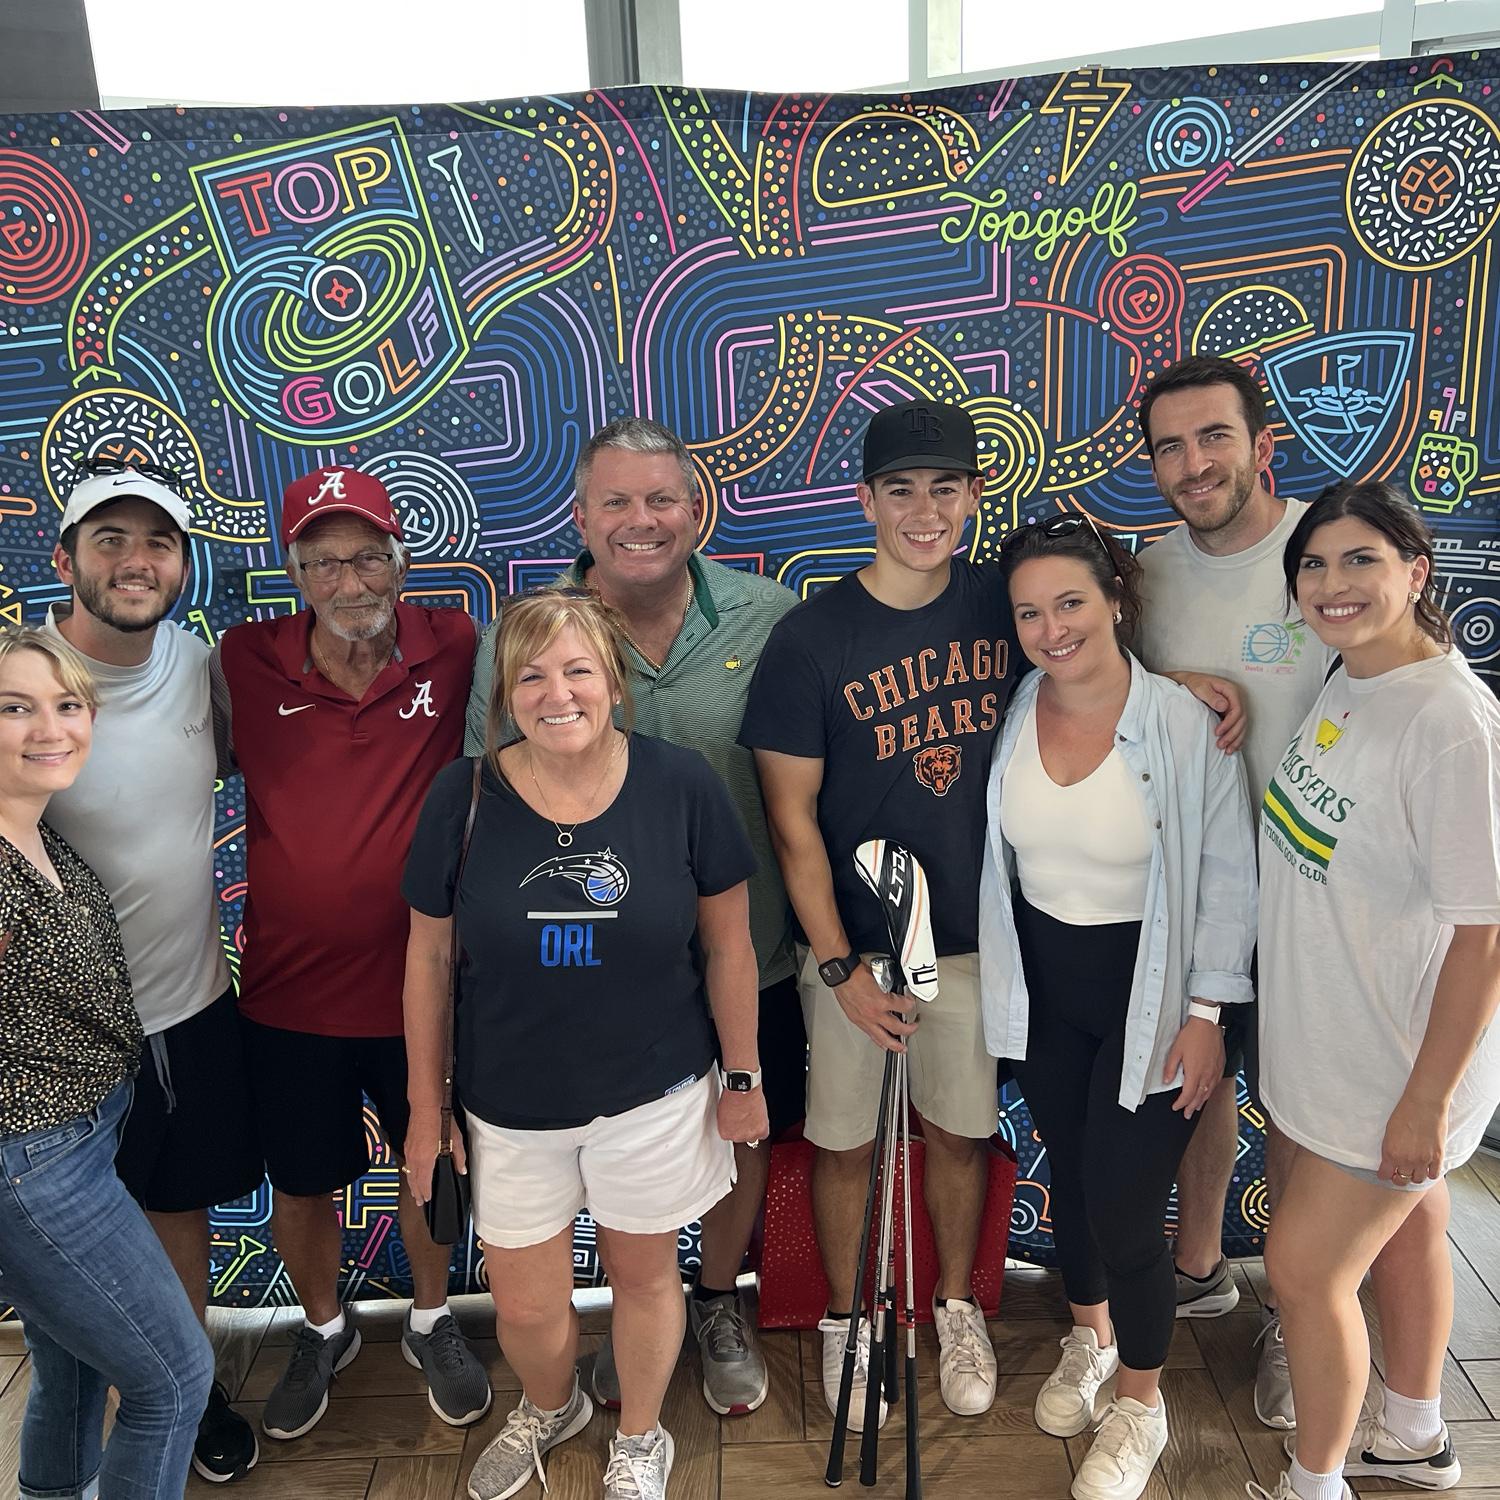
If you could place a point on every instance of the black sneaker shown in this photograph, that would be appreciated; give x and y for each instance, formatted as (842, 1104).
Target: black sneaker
(225, 1448)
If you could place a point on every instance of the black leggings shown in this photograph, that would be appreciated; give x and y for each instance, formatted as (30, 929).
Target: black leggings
(1112, 1168)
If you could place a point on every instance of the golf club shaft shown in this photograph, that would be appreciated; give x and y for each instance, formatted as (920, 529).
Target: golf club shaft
(913, 1454)
(834, 1476)
(881, 1329)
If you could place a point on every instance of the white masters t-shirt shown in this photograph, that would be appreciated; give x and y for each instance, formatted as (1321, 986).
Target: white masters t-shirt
(141, 814)
(1380, 831)
(1228, 616)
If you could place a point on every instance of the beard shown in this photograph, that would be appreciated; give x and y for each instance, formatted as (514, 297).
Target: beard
(382, 612)
(94, 597)
(1240, 484)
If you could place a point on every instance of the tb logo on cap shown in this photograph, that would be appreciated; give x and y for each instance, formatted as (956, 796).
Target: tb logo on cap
(925, 424)
(332, 488)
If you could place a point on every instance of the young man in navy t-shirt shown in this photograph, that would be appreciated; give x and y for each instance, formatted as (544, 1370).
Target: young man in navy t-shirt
(872, 715)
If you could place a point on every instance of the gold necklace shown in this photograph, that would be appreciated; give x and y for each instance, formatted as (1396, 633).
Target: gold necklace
(656, 666)
(323, 664)
(565, 835)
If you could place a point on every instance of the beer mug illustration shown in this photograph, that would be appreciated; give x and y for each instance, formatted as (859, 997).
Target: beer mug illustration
(1444, 466)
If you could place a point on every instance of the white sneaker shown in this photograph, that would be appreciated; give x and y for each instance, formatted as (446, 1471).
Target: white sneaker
(1273, 1377)
(966, 1358)
(1129, 1441)
(1283, 1491)
(1081, 1386)
(1376, 1451)
(638, 1467)
(833, 1330)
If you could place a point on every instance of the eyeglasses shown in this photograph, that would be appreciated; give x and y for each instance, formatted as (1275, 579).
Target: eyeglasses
(106, 463)
(1060, 526)
(366, 564)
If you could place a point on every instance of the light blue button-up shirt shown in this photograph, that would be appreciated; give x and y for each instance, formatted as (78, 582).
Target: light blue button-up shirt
(1198, 928)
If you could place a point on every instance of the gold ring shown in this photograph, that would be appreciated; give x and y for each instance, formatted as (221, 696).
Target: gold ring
(406, 1170)
(1401, 1176)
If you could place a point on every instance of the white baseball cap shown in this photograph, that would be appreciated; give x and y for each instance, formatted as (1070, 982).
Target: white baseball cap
(104, 489)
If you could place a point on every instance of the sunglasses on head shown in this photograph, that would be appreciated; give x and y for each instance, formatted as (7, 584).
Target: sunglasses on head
(104, 463)
(1058, 527)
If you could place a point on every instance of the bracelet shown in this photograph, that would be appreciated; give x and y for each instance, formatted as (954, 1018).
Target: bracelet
(1203, 1012)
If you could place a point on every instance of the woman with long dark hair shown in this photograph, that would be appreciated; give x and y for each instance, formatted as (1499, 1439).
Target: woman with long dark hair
(1117, 915)
(1380, 975)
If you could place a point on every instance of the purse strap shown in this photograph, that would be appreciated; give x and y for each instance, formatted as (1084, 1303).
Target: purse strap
(445, 1137)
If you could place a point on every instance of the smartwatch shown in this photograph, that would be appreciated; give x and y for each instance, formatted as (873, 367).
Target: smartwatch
(739, 1080)
(837, 970)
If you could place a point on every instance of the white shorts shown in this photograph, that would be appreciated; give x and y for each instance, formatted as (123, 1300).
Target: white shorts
(648, 1171)
(953, 1078)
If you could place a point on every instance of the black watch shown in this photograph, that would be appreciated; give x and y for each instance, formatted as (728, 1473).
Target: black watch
(837, 970)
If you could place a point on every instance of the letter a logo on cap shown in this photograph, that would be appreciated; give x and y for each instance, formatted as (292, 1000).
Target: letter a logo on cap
(332, 488)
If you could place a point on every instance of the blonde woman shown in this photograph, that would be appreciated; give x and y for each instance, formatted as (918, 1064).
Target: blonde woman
(600, 864)
(95, 1292)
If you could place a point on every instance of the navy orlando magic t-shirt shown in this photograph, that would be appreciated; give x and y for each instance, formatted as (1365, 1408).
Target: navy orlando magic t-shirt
(580, 990)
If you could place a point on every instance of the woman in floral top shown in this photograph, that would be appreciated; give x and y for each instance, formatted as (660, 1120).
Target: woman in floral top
(99, 1301)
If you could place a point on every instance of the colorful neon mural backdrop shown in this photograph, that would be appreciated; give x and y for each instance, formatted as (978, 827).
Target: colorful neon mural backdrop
(453, 297)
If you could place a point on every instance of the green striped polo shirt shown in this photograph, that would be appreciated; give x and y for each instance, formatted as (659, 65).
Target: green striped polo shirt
(698, 699)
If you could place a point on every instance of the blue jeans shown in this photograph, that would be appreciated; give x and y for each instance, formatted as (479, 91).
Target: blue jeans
(102, 1307)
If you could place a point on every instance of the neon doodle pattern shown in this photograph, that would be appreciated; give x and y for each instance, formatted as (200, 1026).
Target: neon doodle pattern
(454, 297)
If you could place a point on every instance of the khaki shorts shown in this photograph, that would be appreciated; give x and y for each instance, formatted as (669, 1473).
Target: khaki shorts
(953, 1079)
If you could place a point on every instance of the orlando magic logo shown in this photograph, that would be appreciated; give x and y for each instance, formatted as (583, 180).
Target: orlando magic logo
(602, 875)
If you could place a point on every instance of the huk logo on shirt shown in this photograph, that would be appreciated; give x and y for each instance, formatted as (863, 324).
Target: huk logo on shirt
(422, 701)
(332, 487)
(567, 942)
(938, 767)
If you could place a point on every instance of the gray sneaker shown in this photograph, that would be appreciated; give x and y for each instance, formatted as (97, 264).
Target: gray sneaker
(1207, 1299)
(605, 1380)
(638, 1466)
(1273, 1378)
(510, 1460)
(300, 1398)
(734, 1371)
(458, 1389)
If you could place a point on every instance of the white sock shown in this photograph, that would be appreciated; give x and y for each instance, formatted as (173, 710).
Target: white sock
(1310, 1486)
(330, 1330)
(566, 1404)
(1416, 1423)
(425, 1319)
(634, 1437)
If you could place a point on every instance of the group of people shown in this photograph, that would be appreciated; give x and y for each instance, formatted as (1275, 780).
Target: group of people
(606, 858)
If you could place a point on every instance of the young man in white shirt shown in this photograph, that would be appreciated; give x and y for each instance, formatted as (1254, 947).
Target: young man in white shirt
(1216, 618)
(141, 813)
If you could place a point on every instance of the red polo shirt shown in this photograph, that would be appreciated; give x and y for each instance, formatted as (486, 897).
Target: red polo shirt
(332, 792)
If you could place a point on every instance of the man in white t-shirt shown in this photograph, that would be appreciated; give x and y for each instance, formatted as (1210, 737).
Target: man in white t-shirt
(141, 813)
(1216, 611)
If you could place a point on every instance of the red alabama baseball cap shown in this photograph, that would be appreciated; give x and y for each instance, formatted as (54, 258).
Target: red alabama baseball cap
(326, 491)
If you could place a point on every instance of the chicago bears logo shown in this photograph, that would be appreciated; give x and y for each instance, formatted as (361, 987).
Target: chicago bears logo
(603, 877)
(938, 767)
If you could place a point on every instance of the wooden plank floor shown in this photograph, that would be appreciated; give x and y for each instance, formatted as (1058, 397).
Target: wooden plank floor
(380, 1440)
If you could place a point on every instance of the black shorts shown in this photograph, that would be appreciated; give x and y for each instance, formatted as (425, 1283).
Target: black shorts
(783, 1054)
(196, 1146)
(309, 1094)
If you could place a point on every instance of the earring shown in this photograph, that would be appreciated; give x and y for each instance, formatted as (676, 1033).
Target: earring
(1118, 617)
(1412, 597)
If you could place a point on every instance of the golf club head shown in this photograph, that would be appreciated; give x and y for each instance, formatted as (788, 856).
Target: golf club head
(891, 871)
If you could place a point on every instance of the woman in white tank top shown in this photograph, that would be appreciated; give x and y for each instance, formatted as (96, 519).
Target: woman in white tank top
(1117, 912)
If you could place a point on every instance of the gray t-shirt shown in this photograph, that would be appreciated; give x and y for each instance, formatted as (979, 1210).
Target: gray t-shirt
(141, 814)
(1228, 616)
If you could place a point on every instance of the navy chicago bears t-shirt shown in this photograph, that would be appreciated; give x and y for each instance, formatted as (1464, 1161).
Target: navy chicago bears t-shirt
(903, 707)
(580, 991)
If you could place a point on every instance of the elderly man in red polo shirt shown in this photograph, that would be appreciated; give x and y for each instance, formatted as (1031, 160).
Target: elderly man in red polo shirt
(339, 717)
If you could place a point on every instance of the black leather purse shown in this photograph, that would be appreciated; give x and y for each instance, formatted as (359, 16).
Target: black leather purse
(447, 1206)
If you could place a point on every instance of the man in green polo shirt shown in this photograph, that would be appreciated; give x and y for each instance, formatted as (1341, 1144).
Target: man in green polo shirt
(695, 630)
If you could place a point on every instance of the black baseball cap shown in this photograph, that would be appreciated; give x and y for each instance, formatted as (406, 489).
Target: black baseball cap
(921, 435)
